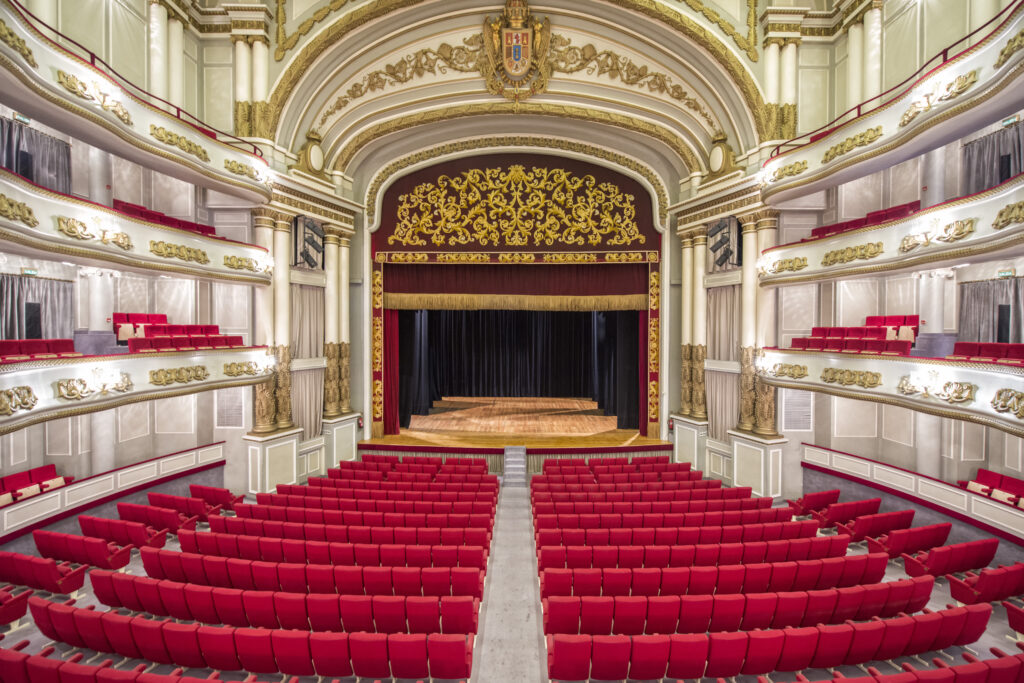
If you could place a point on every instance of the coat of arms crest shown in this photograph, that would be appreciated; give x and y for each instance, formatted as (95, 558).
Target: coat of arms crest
(517, 48)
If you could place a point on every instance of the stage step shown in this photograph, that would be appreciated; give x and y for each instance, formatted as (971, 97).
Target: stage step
(515, 467)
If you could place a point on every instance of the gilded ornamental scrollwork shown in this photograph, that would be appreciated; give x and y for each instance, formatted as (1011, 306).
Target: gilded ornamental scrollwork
(654, 290)
(1012, 47)
(789, 170)
(93, 93)
(17, 211)
(241, 369)
(238, 168)
(1007, 216)
(698, 399)
(12, 40)
(241, 263)
(747, 395)
(332, 380)
(183, 375)
(516, 207)
(787, 265)
(952, 232)
(283, 393)
(849, 378)
(570, 257)
(344, 363)
(1009, 401)
(851, 143)
(653, 337)
(942, 93)
(685, 384)
(463, 257)
(17, 398)
(951, 392)
(178, 251)
(789, 370)
(849, 254)
(78, 389)
(74, 228)
(180, 141)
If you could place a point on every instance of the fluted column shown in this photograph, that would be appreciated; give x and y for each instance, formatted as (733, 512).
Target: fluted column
(771, 70)
(243, 84)
(748, 321)
(260, 86)
(854, 65)
(175, 62)
(264, 394)
(158, 49)
(788, 72)
(332, 332)
(765, 332)
(685, 384)
(873, 50)
(283, 318)
(344, 323)
(698, 409)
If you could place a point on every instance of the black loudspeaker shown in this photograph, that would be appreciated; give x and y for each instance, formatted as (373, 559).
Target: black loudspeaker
(1003, 324)
(723, 257)
(33, 321)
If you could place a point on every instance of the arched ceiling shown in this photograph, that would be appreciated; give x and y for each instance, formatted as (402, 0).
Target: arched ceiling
(629, 76)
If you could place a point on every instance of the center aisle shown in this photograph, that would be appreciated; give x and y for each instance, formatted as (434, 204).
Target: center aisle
(511, 639)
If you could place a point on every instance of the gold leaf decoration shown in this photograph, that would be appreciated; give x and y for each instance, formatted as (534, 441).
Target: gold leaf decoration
(238, 168)
(787, 265)
(851, 143)
(178, 251)
(17, 211)
(848, 254)
(378, 400)
(1012, 47)
(789, 170)
(626, 257)
(788, 370)
(240, 369)
(12, 40)
(17, 398)
(121, 240)
(378, 344)
(569, 257)
(952, 232)
(952, 90)
(241, 263)
(653, 337)
(950, 392)
(849, 378)
(378, 289)
(517, 258)
(74, 228)
(654, 290)
(406, 257)
(517, 208)
(1009, 401)
(653, 401)
(78, 389)
(167, 376)
(1008, 215)
(93, 93)
(463, 257)
(180, 141)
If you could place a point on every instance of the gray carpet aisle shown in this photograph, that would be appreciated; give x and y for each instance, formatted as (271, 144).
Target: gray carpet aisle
(510, 644)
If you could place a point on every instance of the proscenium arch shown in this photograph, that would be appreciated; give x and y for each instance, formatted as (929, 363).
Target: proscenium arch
(741, 78)
(539, 145)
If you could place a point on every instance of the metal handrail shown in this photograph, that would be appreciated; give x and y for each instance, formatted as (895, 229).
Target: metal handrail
(866, 107)
(132, 90)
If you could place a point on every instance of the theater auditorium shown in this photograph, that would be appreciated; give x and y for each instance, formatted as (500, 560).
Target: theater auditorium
(500, 341)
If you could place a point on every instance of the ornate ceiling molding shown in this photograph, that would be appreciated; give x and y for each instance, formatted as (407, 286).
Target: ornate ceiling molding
(395, 168)
(300, 65)
(368, 135)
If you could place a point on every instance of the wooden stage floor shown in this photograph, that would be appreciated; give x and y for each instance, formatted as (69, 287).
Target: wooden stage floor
(462, 422)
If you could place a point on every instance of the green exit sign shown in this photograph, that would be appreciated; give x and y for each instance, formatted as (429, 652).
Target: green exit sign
(1007, 272)
(29, 271)
(1010, 121)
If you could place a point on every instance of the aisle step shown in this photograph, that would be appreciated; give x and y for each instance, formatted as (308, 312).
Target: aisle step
(515, 467)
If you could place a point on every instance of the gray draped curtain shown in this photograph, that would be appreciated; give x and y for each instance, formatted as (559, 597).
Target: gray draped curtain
(308, 401)
(307, 321)
(56, 306)
(992, 159)
(723, 397)
(41, 158)
(979, 309)
(724, 323)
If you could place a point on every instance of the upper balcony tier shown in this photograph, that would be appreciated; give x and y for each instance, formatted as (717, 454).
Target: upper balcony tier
(72, 90)
(964, 88)
(943, 235)
(40, 390)
(39, 222)
(988, 393)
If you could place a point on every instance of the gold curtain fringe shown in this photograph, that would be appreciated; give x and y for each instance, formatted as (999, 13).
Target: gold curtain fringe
(514, 302)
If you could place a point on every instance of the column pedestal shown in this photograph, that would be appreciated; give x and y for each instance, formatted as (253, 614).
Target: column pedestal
(757, 463)
(690, 441)
(272, 459)
(342, 433)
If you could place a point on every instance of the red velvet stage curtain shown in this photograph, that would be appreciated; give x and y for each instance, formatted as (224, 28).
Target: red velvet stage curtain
(643, 371)
(391, 369)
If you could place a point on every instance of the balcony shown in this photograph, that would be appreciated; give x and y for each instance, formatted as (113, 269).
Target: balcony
(40, 390)
(943, 235)
(985, 393)
(39, 222)
(62, 85)
(962, 89)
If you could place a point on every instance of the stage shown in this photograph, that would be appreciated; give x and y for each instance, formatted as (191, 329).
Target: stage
(463, 422)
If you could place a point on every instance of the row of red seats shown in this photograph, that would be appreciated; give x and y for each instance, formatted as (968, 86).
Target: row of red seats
(369, 487)
(873, 332)
(186, 505)
(990, 585)
(761, 652)
(183, 343)
(989, 352)
(394, 459)
(254, 650)
(156, 517)
(302, 611)
(610, 460)
(704, 488)
(28, 483)
(377, 475)
(163, 219)
(596, 468)
(20, 350)
(357, 518)
(122, 532)
(215, 495)
(624, 478)
(846, 511)
(43, 573)
(677, 518)
(693, 535)
(877, 524)
(227, 572)
(664, 501)
(487, 496)
(13, 605)
(1001, 487)
(541, 497)
(830, 572)
(762, 531)
(352, 534)
(814, 501)
(949, 559)
(639, 614)
(892, 347)
(338, 554)
(911, 540)
(81, 549)
(872, 218)
(329, 502)
(706, 554)
(168, 330)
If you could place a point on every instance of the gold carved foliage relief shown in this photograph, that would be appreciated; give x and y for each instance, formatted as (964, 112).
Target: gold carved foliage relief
(517, 207)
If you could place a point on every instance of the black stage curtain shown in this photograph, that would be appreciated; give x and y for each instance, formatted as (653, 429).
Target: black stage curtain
(520, 353)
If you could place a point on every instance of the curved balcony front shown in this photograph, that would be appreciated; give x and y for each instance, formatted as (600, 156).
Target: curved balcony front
(40, 390)
(965, 92)
(44, 80)
(986, 393)
(943, 235)
(39, 222)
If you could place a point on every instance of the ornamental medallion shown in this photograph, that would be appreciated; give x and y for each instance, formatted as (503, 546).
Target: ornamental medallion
(516, 64)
